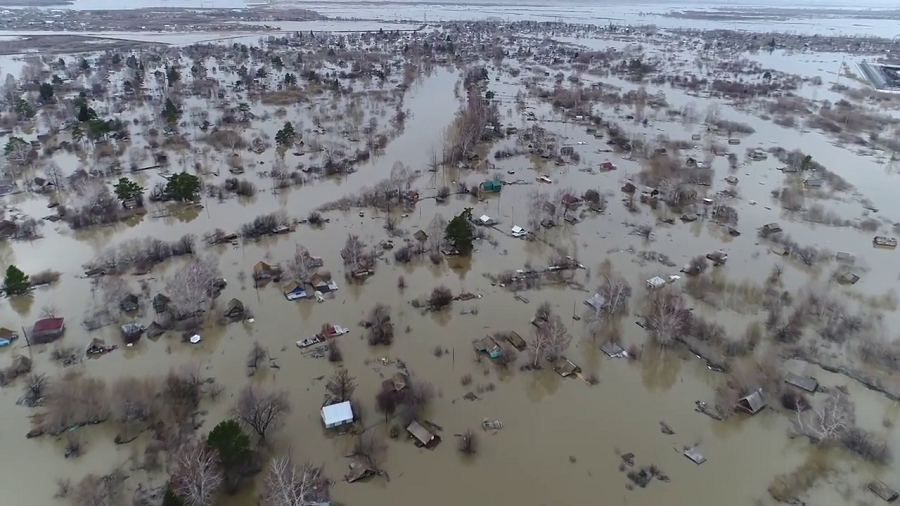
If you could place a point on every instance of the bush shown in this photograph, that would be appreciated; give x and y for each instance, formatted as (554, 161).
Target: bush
(403, 254)
(441, 297)
(334, 353)
(45, 277)
(315, 219)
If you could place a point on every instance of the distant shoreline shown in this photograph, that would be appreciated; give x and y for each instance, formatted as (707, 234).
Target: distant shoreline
(35, 3)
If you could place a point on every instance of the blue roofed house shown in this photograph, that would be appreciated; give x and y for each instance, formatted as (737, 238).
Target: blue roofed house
(293, 291)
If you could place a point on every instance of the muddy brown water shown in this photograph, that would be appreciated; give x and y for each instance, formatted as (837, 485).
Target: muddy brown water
(548, 421)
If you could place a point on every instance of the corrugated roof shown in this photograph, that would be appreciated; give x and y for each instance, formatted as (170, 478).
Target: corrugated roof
(48, 324)
(420, 433)
(337, 413)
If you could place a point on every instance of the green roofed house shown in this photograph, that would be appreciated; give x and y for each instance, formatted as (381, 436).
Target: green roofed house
(492, 186)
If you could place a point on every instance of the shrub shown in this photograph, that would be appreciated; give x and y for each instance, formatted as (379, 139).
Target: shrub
(468, 442)
(441, 297)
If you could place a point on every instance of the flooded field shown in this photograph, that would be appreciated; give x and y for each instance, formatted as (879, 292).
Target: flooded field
(574, 161)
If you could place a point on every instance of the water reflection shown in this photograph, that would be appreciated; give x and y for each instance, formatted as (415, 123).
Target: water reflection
(660, 366)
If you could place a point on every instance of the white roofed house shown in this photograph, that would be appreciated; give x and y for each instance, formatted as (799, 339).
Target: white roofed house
(335, 415)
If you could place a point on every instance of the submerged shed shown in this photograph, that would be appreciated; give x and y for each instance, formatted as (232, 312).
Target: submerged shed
(516, 340)
(613, 350)
(565, 367)
(883, 491)
(804, 383)
(752, 403)
(423, 436)
(359, 469)
(695, 456)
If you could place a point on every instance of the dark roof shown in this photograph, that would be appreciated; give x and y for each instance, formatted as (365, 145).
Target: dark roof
(420, 433)
(48, 324)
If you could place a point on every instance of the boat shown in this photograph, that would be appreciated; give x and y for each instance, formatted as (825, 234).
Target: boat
(310, 341)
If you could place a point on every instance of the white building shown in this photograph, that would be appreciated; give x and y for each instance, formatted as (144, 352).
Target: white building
(335, 415)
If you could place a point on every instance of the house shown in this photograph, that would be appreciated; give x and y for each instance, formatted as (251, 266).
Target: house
(848, 278)
(596, 302)
(690, 217)
(9, 335)
(629, 188)
(491, 186)
(770, 228)
(880, 489)
(607, 165)
(47, 330)
(359, 469)
(613, 350)
(845, 257)
(567, 151)
(293, 291)
(695, 456)
(751, 403)
(734, 142)
(7, 228)
(565, 367)
(129, 303)
(717, 257)
(549, 208)
(485, 220)
(813, 182)
(516, 340)
(421, 236)
(41, 185)
(803, 383)
(336, 415)
(131, 332)
(160, 303)
(571, 201)
(884, 242)
(790, 169)
(98, 346)
(655, 282)
(330, 331)
(423, 436)
(395, 383)
(518, 232)
(324, 286)
(7, 185)
(234, 310)
(263, 270)
(488, 346)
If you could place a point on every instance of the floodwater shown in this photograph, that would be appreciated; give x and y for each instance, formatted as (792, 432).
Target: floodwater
(560, 437)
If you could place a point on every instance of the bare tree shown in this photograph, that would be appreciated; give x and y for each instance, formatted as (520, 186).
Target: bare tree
(95, 490)
(549, 340)
(668, 319)
(191, 287)
(353, 251)
(832, 421)
(288, 484)
(340, 386)
(301, 267)
(197, 474)
(54, 175)
(49, 311)
(615, 292)
(256, 355)
(436, 229)
(261, 411)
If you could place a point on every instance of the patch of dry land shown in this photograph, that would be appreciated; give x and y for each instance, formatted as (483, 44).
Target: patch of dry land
(375, 268)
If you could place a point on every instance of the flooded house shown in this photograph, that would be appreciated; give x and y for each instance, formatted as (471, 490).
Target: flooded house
(337, 415)
(47, 330)
(359, 469)
(883, 491)
(565, 367)
(424, 437)
(131, 332)
(884, 242)
(293, 291)
(769, 229)
(595, 302)
(516, 340)
(234, 310)
(396, 383)
(160, 303)
(491, 186)
(129, 303)
(262, 271)
(802, 382)
(751, 403)
(488, 346)
(717, 257)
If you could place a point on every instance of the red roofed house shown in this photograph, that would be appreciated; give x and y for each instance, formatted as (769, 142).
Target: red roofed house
(47, 330)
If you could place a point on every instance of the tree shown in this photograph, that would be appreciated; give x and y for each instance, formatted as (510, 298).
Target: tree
(183, 186)
(24, 109)
(17, 150)
(290, 79)
(805, 163)
(831, 422)
(231, 444)
(16, 282)
(261, 73)
(489, 95)
(171, 112)
(46, 92)
(85, 65)
(172, 75)
(127, 189)
(261, 411)
(549, 340)
(277, 62)
(77, 133)
(285, 136)
(668, 319)
(192, 286)
(459, 232)
(340, 387)
(86, 113)
(353, 252)
(288, 484)
(196, 476)
(302, 266)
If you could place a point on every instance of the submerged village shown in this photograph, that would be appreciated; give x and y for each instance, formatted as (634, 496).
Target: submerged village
(435, 259)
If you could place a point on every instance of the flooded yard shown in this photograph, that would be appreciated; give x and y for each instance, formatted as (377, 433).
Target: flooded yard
(521, 180)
